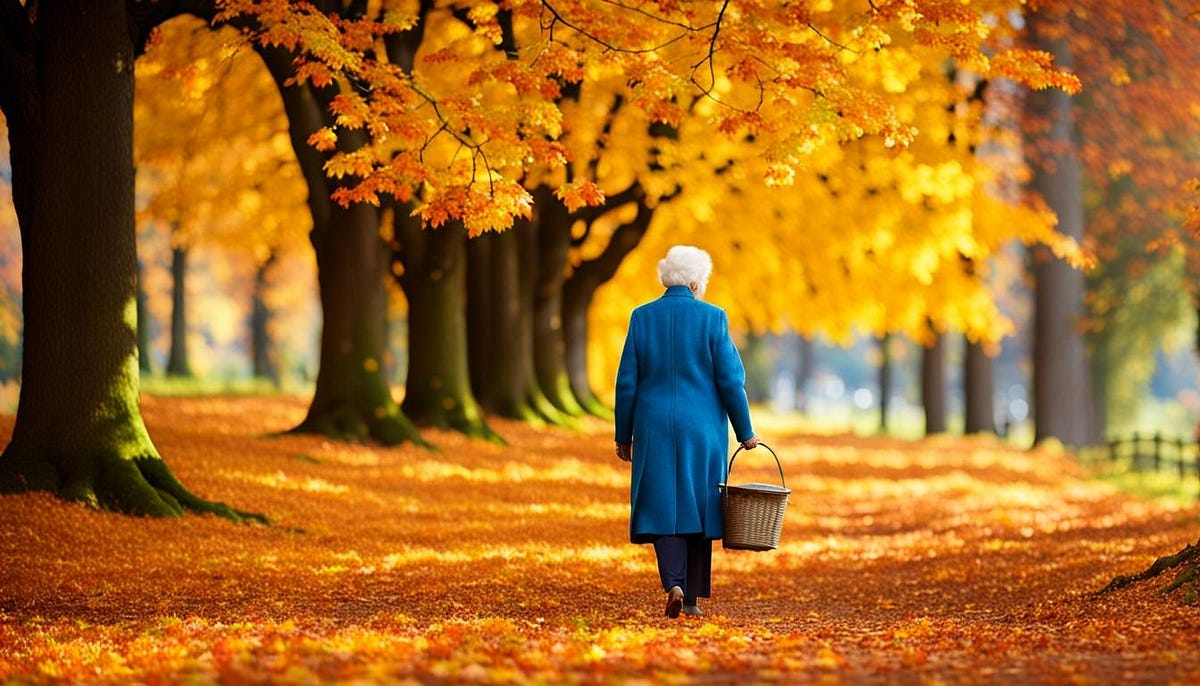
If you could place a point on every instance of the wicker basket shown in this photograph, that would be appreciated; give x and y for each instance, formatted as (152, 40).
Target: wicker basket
(753, 513)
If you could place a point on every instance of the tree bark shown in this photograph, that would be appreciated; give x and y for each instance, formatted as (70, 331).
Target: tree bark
(263, 363)
(352, 400)
(500, 326)
(1062, 396)
(979, 390)
(438, 388)
(67, 94)
(933, 385)
(178, 363)
(549, 347)
(805, 370)
(885, 379)
(145, 338)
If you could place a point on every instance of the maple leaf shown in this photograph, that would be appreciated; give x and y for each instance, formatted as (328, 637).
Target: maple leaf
(580, 193)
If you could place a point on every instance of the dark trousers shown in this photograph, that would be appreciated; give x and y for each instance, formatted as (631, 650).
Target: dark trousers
(686, 562)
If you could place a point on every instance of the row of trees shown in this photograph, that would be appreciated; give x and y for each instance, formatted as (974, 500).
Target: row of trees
(422, 132)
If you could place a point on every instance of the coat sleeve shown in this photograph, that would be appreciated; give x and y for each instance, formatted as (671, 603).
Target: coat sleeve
(731, 381)
(626, 387)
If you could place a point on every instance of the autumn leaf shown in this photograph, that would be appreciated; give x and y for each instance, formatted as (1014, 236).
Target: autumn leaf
(360, 578)
(580, 193)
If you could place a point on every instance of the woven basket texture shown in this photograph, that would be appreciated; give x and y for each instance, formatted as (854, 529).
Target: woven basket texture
(753, 517)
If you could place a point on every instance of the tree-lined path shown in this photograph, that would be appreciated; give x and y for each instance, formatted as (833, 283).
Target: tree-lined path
(942, 561)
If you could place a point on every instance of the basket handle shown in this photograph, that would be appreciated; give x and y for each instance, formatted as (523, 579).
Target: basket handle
(760, 445)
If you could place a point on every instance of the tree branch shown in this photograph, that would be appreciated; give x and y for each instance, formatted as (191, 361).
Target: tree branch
(558, 18)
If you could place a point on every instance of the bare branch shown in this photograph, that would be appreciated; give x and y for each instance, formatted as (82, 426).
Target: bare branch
(558, 18)
(831, 41)
(655, 17)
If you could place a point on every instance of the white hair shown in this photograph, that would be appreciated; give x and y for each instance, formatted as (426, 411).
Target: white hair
(685, 265)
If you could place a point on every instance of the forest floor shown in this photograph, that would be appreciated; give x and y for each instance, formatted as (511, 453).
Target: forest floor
(948, 560)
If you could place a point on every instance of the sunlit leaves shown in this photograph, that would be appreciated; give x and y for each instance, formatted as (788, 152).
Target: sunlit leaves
(941, 560)
(769, 69)
(580, 193)
(1034, 68)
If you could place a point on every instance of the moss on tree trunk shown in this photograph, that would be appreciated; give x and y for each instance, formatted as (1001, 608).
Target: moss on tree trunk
(500, 277)
(352, 400)
(79, 431)
(438, 385)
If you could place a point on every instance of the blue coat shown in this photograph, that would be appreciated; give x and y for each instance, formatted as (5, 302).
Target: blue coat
(679, 385)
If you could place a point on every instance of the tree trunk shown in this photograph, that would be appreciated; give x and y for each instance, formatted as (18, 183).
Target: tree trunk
(260, 320)
(145, 338)
(177, 363)
(68, 99)
(980, 390)
(933, 385)
(1100, 369)
(499, 325)
(580, 289)
(804, 372)
(438, 388)
(885, 379)
(352, 399)
(1062, 396)
(549, 347)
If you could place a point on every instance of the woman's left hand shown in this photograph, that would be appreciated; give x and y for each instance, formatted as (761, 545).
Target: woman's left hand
(750, 443)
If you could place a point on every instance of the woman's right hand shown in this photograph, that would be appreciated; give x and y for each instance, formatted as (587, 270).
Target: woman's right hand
(750, 443)
(625, 452)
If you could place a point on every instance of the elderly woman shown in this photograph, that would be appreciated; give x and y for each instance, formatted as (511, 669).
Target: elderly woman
(679, 386)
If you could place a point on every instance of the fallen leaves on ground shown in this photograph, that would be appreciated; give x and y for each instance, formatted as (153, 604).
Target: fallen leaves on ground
(948, 560)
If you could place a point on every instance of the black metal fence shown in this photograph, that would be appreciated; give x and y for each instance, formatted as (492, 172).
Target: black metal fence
(1151, 453)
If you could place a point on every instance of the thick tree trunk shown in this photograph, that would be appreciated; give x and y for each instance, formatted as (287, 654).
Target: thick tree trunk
(352, 399)
(580, 289)
(177, 362)
(500, 326)
(68, 99)
(498, 322)
(979, 387)
(262, 360)
(1062, 395)
(438, 388)
(549, 348)
(933, 385)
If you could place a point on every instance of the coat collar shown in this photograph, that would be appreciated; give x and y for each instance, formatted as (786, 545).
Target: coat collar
(679, 291)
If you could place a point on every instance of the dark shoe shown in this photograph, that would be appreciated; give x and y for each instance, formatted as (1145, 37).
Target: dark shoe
(674, 602)
(693, 610)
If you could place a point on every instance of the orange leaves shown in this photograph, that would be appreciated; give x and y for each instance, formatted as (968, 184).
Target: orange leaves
(483, 206)
(324, 139)
(1192, 221)
(936, 561)
(1033, 68)
(580, 193)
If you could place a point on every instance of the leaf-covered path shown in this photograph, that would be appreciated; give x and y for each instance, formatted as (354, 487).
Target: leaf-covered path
(942, 561)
